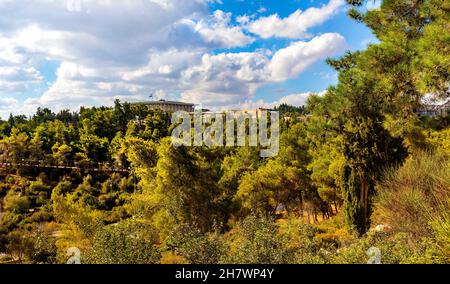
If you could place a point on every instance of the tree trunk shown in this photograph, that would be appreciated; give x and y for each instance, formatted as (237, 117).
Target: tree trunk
(301, 205)
(364, 194)
(335, 202)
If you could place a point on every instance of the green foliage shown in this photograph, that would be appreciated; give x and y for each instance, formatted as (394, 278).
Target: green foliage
(129, 241)
(393, 248)
(257, 241)
(303, 242)
(289, 110)
(14, 147)
(32, 245)
(415, 200)
(235, 165)
(181, 188)
(326, 168)
(16, 203)
(440, 140)
(262, 190)
(195, 246)
(283, 181)
(61, 153)
(384, 80)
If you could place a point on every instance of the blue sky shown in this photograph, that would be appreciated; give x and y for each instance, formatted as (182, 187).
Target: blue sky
(223, 54)
(319, 76)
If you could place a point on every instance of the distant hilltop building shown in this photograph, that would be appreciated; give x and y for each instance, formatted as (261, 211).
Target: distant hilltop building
(173, 106)
(169, 106)
(434, 110)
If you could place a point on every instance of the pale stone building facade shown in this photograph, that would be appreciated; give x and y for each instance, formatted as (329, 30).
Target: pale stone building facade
(169, 106)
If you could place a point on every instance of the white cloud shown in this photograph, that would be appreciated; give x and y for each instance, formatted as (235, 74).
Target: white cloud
(14, 79)
(243, 19)
(103, 32)
(295, 25)
(94, 45)
(295, 99)
(7, 103)
(228, 78)
(7, 106)
(162, 65)
(292, 99)
(224, 78)
(15, 74)
(216, 30)
(294, 59)
(129, 49)
(221, 79)
(262, 10)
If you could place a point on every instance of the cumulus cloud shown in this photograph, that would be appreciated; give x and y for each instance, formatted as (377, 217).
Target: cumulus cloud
(299, 99)
(7, 103)
(294, 59)
(105, 32)
(232, 77)
(218, 31)
(14, 79)
(212, 79)
(295, 99)
(129, 49)
(296, 25)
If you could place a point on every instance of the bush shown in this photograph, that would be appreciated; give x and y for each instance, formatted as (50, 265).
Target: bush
(126, 242)
(257, 241)
(415, 200)
(44, 248)
(197, 248)
(394, 249)
(31, 245)
(309, 245)
(15, 202)
(4, 188)
(41, 216)
(19, 246)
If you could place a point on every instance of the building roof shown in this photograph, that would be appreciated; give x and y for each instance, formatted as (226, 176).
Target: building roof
(160, 102)
(435, 107)
(429, 108)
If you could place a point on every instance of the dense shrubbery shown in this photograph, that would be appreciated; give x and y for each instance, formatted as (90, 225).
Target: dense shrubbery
(415, 200)
(128, 241)
(195, 247)
(411, 205)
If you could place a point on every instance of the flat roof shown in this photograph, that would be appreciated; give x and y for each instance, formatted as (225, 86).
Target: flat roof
(163, 102)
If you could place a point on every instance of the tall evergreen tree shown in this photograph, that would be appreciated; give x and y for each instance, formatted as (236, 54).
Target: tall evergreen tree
(383, 81)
